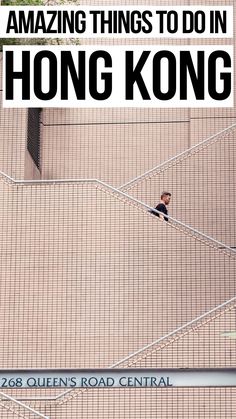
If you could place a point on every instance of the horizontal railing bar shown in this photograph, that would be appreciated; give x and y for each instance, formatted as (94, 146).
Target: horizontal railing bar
(219, 244)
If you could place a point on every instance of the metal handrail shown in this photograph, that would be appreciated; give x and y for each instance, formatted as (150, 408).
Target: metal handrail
(220, 245)
(174, 332)
(161, 167)
(161, 339)
(12, 399)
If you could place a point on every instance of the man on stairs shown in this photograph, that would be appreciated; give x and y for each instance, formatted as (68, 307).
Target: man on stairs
(162, 206)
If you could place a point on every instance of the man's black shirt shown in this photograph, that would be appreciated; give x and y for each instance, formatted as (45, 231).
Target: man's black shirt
(162, 208)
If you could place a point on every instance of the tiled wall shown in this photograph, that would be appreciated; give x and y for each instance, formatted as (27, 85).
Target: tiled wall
(87, 279)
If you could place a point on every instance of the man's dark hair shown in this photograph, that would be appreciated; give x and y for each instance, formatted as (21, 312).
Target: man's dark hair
(165, 194)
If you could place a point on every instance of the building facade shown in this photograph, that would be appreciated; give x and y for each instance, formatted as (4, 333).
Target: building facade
(91, 279)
